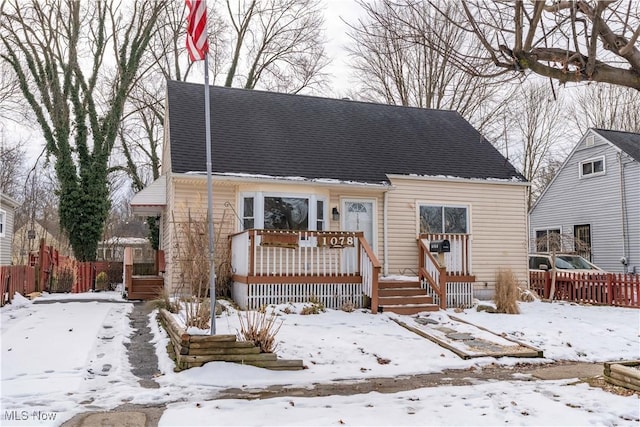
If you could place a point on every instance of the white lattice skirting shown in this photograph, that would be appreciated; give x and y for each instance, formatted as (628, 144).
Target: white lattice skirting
(458, 295)
(332, 295)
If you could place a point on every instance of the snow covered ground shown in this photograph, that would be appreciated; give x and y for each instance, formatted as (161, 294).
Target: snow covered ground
(61, 359)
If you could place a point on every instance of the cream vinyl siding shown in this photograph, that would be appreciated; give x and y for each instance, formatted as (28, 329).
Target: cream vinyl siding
(190, 196)
(497, 222)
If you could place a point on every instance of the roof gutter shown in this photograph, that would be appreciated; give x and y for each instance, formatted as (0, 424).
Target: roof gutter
(496, 181)
(236, 178)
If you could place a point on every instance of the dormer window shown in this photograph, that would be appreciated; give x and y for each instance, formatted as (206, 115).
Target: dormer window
(592, 167)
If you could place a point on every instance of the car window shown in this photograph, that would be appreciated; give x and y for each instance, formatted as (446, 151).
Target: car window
(563, 264)
(576, 262)
(536, 261)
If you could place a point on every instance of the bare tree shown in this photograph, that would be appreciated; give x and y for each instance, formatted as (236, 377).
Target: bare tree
(567, 41)
(76, 63)
(535, 123)
(276, 44)
(12, 166)
(418, 70)
(607, 107)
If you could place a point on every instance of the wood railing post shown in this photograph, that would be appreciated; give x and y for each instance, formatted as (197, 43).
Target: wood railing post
(374, 289)
(442, 276)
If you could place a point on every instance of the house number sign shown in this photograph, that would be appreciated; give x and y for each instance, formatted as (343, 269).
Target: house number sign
(336, 241)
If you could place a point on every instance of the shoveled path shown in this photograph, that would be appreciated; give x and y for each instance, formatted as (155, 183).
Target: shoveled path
(141, 352)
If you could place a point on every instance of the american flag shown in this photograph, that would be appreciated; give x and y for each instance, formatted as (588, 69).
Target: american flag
(197, 43)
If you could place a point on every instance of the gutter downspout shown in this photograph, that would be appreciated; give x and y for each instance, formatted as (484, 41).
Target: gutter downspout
(623, 210)
(385, 205)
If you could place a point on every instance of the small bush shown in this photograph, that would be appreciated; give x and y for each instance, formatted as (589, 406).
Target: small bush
(527, 295)
(164, 301)
(197, 312)
(102, 281)
(314, 308)
(347, 306)
(259, 328)
(506, 295)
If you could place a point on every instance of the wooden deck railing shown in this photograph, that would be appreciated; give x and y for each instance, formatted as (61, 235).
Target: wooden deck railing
(370, 270)
(264, 253)
(450, 284)
(621, 290)
(431, 272)
(297, 258)
(458, 261)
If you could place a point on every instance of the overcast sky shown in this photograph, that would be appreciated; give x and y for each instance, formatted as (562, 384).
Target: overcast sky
(337, 11)
(336, 34)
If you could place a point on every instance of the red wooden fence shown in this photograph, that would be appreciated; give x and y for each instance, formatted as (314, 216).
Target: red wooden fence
(49, 271)
(621, 290)
(16, 278)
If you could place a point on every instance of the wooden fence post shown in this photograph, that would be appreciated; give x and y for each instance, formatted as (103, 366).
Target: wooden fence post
(547, 285)
(127, 269)
(610, 296)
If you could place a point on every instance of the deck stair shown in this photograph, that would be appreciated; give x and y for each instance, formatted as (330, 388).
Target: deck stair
(403, 297)
(145, 288)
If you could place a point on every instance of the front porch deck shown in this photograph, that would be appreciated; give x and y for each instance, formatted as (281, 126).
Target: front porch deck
(336, 268)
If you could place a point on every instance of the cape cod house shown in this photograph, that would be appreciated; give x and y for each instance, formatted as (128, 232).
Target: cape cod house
(325, 198)
(595, 197)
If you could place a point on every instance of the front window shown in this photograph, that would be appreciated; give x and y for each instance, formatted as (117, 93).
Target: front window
(283, 212)
(548, 240)
(443, 219)
(248, 219)
(592, 167)
(286, 213)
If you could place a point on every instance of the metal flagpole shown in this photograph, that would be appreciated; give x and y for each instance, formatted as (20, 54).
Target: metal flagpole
(212, 272)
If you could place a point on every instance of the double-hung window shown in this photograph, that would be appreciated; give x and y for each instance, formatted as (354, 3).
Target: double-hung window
(443, 219)
(283, 211)
(548, 240)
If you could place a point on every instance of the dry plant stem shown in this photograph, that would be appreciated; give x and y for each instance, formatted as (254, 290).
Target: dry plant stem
(506, 295)
(191, 248)
(259, 328)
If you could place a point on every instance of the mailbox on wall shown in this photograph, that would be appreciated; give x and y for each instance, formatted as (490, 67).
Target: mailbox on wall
(440, 246)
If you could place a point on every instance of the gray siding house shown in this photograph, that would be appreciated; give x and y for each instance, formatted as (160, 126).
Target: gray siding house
(595, 196)
(7, 210)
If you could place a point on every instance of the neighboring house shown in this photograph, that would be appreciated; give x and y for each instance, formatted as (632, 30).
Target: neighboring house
(327, 169)
(112, 249)
(595, 196)
(27, 240)
(7, 213)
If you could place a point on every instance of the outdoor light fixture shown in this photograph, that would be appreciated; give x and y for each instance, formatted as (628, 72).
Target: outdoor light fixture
(335, 213)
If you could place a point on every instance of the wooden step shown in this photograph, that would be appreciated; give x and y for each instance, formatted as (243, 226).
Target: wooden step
(402, 299)
(395, 292)
(394, 284)
(145, 287)
(408, 309)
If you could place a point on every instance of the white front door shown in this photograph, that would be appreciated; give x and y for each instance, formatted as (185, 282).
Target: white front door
(358, 216)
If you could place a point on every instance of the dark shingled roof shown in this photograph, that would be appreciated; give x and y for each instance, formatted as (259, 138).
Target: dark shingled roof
(283, 135)
(626, 141)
